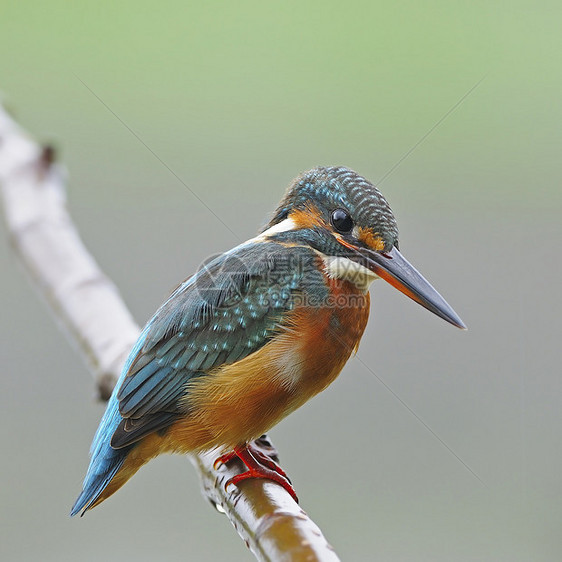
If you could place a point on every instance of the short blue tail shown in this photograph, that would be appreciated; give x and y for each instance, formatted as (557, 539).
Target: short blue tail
(105, 461)
(95, 484)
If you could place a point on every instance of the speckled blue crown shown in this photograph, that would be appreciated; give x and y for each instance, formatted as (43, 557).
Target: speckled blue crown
(335, 187)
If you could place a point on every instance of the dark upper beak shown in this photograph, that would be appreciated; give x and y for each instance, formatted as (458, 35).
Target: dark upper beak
(393, 267)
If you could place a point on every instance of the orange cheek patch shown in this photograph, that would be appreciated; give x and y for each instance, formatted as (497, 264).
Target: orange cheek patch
(371, 239)
(307, 218)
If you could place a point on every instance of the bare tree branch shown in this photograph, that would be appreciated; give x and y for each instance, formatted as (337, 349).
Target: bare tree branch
(89, 308)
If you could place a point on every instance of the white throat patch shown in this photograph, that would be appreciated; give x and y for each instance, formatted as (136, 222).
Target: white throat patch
(338, 267)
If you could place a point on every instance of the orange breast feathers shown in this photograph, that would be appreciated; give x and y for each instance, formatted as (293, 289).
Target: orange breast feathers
(241, 401)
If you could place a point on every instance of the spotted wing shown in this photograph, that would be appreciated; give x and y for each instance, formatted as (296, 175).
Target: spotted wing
(227, 311)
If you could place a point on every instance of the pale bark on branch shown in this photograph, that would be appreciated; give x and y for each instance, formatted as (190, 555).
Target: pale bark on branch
(88, 306)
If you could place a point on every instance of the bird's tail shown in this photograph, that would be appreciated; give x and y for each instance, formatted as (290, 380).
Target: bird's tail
(100, 484)
(109, 468)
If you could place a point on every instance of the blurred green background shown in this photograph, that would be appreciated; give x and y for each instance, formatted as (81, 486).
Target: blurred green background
(237, 98)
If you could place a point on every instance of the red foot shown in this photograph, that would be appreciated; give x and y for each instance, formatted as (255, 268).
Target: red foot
(259, 466)
(223, 459)
(258, 455)
(266, 461)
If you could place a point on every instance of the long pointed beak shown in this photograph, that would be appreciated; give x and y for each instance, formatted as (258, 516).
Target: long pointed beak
(395, 269)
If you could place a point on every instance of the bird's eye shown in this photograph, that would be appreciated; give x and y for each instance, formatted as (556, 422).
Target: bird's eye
(341, 221)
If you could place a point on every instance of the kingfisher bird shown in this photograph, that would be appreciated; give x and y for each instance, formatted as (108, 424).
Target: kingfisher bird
(255, 333)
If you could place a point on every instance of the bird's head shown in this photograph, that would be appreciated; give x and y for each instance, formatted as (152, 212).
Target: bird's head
(346, 219)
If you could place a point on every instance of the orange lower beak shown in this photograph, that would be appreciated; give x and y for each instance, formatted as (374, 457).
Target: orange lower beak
(395, 269)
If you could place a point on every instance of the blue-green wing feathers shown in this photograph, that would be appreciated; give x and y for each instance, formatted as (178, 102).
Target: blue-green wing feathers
(220, 315)
(227, 311)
